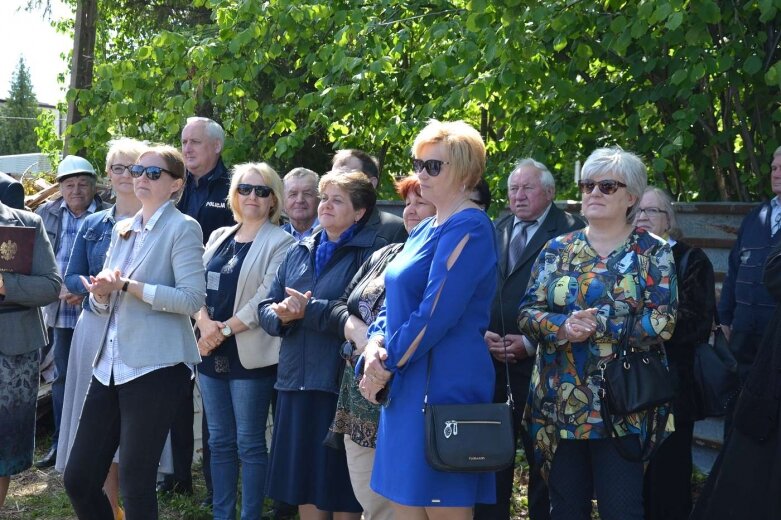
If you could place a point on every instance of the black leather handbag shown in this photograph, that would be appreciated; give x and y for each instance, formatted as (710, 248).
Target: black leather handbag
(715, 376)
(636, 381)
(716, 381)
(469, 437)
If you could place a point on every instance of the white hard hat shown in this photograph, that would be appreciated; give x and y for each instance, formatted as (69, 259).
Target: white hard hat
(74, 165)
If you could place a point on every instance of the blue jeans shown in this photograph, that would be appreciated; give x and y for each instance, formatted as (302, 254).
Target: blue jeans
(61, 348)
(236, 411)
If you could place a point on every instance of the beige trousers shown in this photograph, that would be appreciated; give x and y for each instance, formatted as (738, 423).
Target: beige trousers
(360, 462)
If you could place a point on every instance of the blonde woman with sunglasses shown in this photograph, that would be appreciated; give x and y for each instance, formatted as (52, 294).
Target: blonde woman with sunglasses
(583, 287)
(239, 366)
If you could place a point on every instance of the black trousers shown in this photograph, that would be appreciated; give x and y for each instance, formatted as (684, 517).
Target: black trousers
(182, 440)
(134, 417)
(667, 490)
(539, 504)
(582, 469)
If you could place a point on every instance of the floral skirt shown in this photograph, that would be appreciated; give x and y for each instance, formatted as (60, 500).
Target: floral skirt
(355, 416)
(18, 395)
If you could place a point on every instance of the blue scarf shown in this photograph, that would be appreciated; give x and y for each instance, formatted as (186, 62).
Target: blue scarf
(325, 249)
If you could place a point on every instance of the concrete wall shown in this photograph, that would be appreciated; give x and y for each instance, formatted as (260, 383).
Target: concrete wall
(711, 226)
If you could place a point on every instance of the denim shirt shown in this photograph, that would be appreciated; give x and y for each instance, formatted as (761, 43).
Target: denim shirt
(89, 250)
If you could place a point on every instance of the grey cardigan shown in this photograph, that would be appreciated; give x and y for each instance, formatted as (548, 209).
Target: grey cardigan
(170, 258)
(21, 322)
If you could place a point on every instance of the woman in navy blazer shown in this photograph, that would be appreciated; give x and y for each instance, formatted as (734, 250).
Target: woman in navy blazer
(152, 283)
(239, 366)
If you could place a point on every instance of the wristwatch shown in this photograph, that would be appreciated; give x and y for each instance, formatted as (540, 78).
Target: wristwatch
(227, 331)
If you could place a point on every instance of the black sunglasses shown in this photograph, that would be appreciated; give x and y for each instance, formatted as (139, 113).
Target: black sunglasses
(608, 187)
(260, 190)
(152, 172)
(433, 166)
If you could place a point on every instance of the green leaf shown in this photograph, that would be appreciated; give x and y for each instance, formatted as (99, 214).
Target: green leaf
(674, 21)
(708, 11)
(679, 76)
(752, 65)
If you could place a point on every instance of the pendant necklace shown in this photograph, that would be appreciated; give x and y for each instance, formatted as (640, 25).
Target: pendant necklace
(228, 267)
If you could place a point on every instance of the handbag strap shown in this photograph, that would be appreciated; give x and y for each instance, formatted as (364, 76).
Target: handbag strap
(510, 401)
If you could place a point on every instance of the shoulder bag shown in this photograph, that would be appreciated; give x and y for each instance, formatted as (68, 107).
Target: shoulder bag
(469, 438)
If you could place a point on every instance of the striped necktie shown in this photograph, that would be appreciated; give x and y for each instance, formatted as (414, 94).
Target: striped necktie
(518, 243)
(776, 224)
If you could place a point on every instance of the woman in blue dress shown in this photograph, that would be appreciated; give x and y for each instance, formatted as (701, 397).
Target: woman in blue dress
(438, 299)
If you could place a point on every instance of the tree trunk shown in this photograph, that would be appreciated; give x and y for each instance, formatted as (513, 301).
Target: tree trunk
(83, 61)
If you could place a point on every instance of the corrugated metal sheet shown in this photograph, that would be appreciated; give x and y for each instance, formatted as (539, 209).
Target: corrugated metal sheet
(16, 165)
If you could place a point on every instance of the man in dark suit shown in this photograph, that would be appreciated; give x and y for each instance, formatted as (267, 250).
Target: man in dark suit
(389, 226)
(533, 220)
(11, 192)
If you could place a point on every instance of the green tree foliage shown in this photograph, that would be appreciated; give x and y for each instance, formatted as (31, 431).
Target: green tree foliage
(18, 115)
(692, 86)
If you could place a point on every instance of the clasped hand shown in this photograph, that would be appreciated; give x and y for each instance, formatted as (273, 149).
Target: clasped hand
(375, 375)
(104, 283)
(579, 326)
(211, 335)
(515, 348)
(293, 307)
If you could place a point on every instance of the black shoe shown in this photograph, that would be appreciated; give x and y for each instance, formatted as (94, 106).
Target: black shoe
(49, 459)
(168, 485)
(207, 502)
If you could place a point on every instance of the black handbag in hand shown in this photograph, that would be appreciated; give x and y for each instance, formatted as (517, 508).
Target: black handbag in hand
(469, 437)
(634, 382)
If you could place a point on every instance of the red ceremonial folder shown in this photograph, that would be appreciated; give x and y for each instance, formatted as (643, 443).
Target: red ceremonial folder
(16, 249)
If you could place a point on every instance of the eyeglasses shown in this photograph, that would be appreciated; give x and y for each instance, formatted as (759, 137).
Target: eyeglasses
(608, 187)
(118, 169)
(152, 172)
(260, 190)
(433, 166)
(651, 212)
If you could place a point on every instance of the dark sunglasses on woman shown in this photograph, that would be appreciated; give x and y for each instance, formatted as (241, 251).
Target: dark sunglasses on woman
(152, 172)
(608, 187)
(260, 190)
(433, 166)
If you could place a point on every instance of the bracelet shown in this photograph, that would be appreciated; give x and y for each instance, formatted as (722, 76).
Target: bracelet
(126, 285)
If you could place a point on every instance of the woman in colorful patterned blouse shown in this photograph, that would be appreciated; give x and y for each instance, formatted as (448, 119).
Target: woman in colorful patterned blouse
(583, 287)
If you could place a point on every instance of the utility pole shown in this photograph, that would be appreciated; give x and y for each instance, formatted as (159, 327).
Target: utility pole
(83, 60)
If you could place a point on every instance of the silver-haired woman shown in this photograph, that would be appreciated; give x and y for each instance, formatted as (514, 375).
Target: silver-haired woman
(584, 286)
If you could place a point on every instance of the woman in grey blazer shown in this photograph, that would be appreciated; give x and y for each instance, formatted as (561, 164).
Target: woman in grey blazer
(240, 359)
(151, 284)
(23, 333)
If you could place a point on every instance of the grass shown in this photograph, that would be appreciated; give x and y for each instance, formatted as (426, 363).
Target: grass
(39, 494)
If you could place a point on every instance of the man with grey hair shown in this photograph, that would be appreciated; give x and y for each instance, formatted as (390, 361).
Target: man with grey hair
(533, 220)
(204, 198)
(746, 307)
(62, 218)
(300, 202)
(206, 185)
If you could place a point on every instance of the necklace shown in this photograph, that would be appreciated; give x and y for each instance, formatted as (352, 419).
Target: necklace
(230, 264)
(455, 210)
